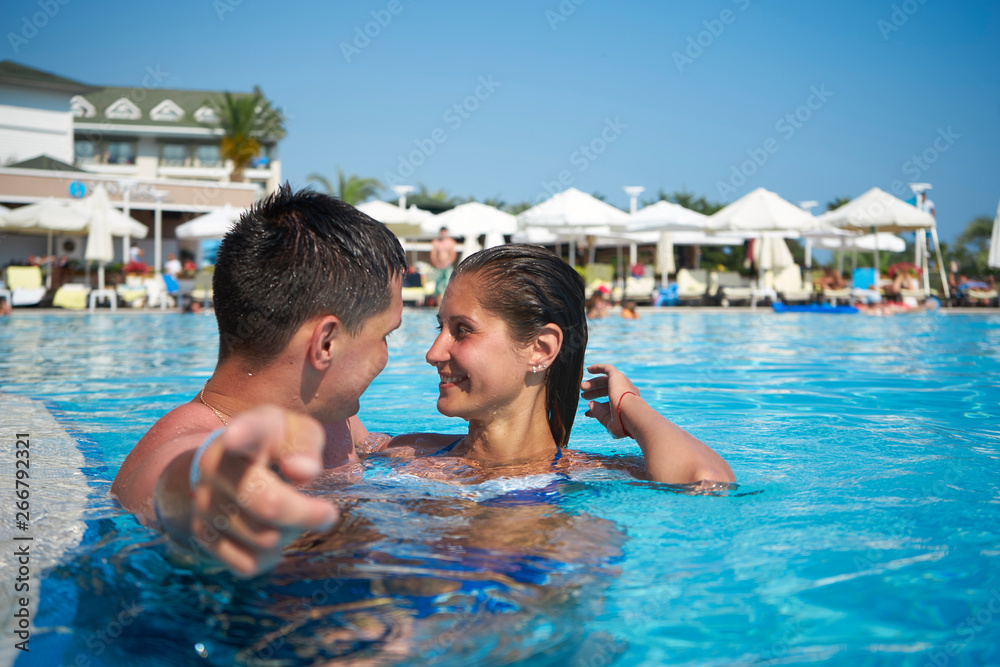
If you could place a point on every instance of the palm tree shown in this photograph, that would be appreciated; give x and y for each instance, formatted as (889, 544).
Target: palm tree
(688, 200)
(519, 207)
(973, 244)
(836, 203)
(495, 202)
(353, 190)
(435, 202)
(246, 121)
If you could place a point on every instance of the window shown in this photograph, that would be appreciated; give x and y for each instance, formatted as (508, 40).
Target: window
(123, 109)
(167, 110)
(173, 155)
(208, 155)
(81, 108)
(85, 152)
(121, 152)
(206, 114)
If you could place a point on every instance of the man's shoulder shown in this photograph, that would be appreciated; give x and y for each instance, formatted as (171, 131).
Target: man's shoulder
(161, 442)
(184, 419)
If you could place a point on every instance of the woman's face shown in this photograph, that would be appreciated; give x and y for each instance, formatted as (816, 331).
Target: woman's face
(482, 370)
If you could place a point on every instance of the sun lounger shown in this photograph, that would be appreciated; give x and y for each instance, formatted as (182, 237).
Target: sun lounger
(789, 286)
(132, 292)
(835, 295)
(157, 294)
(25, 285)
(640, 290)
(729, 287)
(692, 285)
(416, 289)
(71, 297)
(202, 290)
(972, 297)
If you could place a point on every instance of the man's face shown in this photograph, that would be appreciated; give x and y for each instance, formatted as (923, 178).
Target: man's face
(359, 358)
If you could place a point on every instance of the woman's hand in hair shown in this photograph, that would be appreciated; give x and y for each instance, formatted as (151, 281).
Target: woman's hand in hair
(672, 455)
(613, 385)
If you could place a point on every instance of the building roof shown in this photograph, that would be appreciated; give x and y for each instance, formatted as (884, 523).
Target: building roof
(21, 75)
(148, 99)
(44, 162)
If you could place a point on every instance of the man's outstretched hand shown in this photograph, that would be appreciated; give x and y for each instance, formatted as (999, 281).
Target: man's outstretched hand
(244, 508)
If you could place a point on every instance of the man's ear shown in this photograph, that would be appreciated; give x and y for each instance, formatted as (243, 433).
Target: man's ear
(547, 345)
(327, 333)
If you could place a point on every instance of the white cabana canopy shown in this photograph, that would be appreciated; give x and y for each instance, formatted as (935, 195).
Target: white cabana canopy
(571, 210)
(572, 213)
(769, 219)
(885, 241)
(474, 219)
(878, 211)
(99, 242)
(761, 213)
(665, 216)
(409, 222)
(212, 225)
(71, 216)
(771, 253)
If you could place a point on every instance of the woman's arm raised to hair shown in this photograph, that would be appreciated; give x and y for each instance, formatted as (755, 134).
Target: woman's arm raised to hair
(673, 456)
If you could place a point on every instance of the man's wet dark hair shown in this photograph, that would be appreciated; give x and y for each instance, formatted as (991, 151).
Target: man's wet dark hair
(529, 287)
(294, 256)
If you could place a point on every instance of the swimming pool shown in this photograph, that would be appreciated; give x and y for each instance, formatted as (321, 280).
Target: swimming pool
(866, 529)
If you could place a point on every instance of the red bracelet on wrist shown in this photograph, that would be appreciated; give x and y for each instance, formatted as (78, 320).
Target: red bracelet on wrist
(624, 430)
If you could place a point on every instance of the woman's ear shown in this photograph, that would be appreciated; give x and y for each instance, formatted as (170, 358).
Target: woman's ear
(547, 344)
(326, 335)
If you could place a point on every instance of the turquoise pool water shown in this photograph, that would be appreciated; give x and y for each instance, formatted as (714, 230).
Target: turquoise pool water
(866, 529)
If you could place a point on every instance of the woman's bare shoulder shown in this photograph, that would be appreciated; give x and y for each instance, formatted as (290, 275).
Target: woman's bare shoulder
(420, 444)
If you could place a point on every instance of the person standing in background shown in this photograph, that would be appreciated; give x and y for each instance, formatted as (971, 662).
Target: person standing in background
(444, 252)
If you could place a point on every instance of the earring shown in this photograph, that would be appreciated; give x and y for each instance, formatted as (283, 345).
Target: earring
(534, 369)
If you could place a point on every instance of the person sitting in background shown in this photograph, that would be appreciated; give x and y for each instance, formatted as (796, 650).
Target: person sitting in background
(413, 278)
(629, 311)
(831, 280)
(172, 267)
(597, 305)
(905, 279)
(135, 263)
(965, 284)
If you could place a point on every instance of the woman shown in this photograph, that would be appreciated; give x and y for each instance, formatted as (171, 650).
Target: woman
(510, 359)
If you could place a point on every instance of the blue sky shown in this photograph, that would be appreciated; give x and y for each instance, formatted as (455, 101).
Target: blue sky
(810, 100)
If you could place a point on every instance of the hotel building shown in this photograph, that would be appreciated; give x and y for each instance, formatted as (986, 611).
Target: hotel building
(156, 150)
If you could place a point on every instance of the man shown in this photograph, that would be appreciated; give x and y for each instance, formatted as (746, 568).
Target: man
(306, 290)
(443, 254)
(172, 267)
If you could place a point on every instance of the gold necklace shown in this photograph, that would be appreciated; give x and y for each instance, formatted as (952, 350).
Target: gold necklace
(202, 397)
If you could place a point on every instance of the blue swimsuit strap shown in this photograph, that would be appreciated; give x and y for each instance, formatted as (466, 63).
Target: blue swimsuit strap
(450, 447)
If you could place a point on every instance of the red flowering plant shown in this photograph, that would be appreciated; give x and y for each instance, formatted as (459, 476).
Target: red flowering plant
(905, 268)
